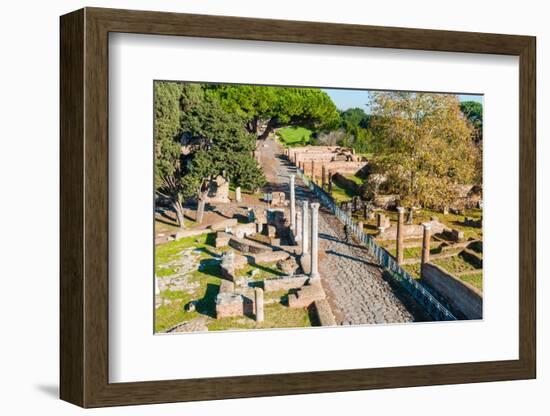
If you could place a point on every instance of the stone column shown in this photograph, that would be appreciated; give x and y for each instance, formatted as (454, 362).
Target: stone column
(238, 196)
(314, 240)
(399, 239)
(410, 216)
(323, 176)
(426, 242)
(292, 205)
(259, 303)
(298, 233)
(305, 238)
(330, 182)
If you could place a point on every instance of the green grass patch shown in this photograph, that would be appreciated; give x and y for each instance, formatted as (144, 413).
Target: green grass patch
(341, 194)
(475, 279)
(412, 269)
(276, 315)
(204, 283)
(414, 252)
(455, 264)
(294, 136)
(355, 179)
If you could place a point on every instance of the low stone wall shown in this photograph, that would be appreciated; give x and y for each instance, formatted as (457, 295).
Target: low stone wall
(247, 246)
(244, 230)
(269, 257)
(224, 224)
(285, 283)
(460, 296)
(324, 313)
(229, 304)
(306, 295)
(341, 167)
(410, 231)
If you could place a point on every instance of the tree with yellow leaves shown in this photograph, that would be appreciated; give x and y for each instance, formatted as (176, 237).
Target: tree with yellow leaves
(426, 147)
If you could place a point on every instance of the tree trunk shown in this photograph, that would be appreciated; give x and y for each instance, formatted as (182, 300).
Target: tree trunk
(269, 128)
(180, 213)
(252, 126)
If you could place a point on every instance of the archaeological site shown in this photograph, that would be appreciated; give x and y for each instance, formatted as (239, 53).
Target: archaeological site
(280, 208)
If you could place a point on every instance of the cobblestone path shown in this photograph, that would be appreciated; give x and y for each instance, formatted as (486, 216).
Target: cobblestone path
(356, 289)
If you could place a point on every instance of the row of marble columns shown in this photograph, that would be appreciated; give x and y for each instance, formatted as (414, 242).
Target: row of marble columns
(427, 233)
(309, 232)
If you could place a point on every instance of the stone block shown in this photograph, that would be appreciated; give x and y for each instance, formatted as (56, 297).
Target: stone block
(285, 283)
(222, 239)
(244, 230)
(306, 296)
(278, 199)
(324, 313)
(247, 246)
(271, 231)
(231, 263)
(288, 266)
(269, 257)
(275, 241)
(257, 215)
(227, 286)
(457, 235)
(224, 224)
(229, 305)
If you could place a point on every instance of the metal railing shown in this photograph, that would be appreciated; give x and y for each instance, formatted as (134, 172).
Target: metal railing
(436, 310)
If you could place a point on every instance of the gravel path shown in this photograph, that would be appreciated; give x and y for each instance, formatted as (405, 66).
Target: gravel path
(356, 290)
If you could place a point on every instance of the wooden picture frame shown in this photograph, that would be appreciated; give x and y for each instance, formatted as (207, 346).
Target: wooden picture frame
(84, 207)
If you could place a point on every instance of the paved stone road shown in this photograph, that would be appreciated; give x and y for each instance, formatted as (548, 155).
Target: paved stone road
(357, 292)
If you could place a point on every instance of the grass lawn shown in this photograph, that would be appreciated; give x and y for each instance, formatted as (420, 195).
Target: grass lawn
(475, 279)
(204, 283)
(414, 252)
(412, 269)
(341, 194)
(455, 264)
(294, 136)
(355, 179)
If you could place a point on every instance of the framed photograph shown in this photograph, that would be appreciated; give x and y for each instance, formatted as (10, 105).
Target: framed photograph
(257, 207)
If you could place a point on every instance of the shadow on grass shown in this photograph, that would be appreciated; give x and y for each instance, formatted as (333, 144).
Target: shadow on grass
(210, 240)
(207, 305)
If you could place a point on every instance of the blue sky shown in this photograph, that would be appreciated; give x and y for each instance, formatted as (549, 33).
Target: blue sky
(344, 99)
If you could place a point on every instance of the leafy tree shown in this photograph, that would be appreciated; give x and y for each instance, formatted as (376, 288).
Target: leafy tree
(168, 158)
(428, 147)
(216, 144)
(473, 110)
(278, 107)
(354, 117)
